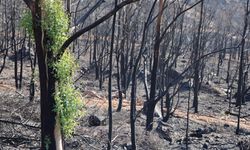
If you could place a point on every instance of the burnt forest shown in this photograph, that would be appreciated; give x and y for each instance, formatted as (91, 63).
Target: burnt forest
(124, 74)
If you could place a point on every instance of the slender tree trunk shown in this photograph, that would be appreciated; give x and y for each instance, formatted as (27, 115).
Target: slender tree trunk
(120, 97)
(33, 66)
(196, 57)
(134, 80)
(240, 93)
(68, 7)
(241, 67)
(95, 55)
(244, 87)
(168, 106)
(133, 110)
(119, 108)
(229, 65)
(188, 110)
(13, 44)
(151, 103)
(6, 35)
(22, 51)
(4, 60)
(110, 81)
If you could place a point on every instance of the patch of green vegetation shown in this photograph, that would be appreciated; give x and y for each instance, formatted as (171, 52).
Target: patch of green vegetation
(68, 100)
(69, 105)
(56, 23)
(26, 22)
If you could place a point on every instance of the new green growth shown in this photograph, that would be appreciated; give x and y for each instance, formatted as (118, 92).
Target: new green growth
(55, 23)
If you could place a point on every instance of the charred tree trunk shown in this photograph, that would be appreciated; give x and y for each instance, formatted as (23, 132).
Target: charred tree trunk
(13, 45)
(134, 80)
(68, 7)
(22, 51)
(151, 103)
(110, 81)
(118, 55)
(240, 92)
(197, 63)
(188, 110)
(6, 35)
(4, 59)
(33, 66)
(229, 64)
(50, 132)
(95, 55)
(168, 106)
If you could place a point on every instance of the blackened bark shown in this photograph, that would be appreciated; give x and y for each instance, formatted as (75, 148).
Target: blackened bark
(134, 81)
(68, 8)
(95, 55)
(241, 67)
(229, 65)
(4, 60)
(188, 110)
(118, 77)
(196, 67)
(32, 67)
(244, 87)
(240, 89)
(14, 46)
(151, 103)
(6, 40)
(150, 115)
(110, 81)
(22, 50)
(168, 106)
(47, 83)
(93, 25)
(123, 72)
(133, 110)
(120, 97)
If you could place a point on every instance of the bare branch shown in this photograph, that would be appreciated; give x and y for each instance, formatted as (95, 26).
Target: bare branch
(30, 4)
(191, 65)
(18, 123)
(91, 26)
(176, 17)
(84, 17)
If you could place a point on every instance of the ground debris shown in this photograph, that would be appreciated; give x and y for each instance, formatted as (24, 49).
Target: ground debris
(96, 120)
